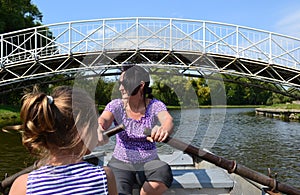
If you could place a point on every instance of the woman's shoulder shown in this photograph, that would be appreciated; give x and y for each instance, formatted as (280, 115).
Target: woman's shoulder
(115, 103)
(155, 102)
(157, 105)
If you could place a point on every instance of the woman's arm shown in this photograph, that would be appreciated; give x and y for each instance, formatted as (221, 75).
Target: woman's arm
(111, 181)
(105, 121)
(160, 133)
(19, 186)
(166, 121)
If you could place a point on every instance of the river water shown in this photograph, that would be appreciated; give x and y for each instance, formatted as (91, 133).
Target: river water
(237, 134)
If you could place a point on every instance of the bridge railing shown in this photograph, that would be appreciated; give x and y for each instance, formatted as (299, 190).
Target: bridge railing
(148, 33)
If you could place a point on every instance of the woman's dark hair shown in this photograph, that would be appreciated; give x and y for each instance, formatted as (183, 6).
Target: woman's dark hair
(132, 79)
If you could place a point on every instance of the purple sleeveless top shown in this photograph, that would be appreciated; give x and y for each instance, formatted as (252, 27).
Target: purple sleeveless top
(131, 144)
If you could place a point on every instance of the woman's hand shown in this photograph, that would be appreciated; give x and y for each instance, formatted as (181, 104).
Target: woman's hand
(105, 120)
(102, 139)
(158, 134)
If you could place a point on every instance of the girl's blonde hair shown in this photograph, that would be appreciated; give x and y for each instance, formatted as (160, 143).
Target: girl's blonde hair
(64, 122)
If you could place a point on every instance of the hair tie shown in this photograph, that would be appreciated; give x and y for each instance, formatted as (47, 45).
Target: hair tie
(50, 99)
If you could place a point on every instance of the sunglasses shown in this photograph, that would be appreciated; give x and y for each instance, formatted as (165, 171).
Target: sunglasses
(132, 91)
(121, 83)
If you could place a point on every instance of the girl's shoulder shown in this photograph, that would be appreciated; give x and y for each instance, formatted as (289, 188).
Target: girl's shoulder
(19, 185)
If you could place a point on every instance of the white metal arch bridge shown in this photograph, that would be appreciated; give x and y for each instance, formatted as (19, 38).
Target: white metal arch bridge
(191, 47)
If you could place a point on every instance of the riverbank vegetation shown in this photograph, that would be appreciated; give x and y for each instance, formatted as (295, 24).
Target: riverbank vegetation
(174, 91)
(283, 106)
(177, 92)
(285, 112)
(9, 115)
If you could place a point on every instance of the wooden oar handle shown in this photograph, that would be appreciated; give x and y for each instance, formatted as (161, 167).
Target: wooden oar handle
(147, 132)
(113, 131)
(7, 182)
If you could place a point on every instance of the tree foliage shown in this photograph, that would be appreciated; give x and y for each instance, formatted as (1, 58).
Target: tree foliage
(18, 14)
(202, 90)
(174, 91)
(22, 14)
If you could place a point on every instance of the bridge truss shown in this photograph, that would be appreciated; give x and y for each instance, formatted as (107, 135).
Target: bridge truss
(190, 47)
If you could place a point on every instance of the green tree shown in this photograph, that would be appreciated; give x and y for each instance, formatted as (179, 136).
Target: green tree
(105, 91)
(247, 92)
(18, 14)
(22, 14)
(277, 98)
(235, 93)
(169, 86)
(202, 90)
(162, 91)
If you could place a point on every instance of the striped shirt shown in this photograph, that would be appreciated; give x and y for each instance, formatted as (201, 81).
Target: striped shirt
(76, 179)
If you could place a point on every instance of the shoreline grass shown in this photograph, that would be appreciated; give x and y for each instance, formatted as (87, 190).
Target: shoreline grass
(9, 115)
(283, 106)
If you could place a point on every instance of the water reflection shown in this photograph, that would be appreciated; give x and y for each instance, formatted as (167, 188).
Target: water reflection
(13, 156)
(253, 141)
(261, 143)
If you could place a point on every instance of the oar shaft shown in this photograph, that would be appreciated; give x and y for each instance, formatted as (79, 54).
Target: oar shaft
(113, 131)
(9, 180)
(232, 167)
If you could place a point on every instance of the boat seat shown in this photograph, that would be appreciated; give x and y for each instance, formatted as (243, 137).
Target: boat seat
(185, 176)
(198, 181)
(201, 178)
(177, 159)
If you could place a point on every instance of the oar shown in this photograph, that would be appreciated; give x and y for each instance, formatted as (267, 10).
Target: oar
(232, 167)
(7, 182)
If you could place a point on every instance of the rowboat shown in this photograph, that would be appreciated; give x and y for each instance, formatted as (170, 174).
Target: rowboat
(195, 171)
(193, 175)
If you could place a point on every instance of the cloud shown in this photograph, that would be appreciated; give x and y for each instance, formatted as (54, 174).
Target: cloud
(289, 24)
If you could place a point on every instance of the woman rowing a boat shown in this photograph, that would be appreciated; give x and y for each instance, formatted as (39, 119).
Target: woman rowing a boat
(135, 159)
(61, 129)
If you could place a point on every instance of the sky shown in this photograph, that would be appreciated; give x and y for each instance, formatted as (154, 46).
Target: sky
(279, 16)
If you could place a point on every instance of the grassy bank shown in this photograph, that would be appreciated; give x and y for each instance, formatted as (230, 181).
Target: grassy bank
(217, 106)
(283, 106)
(101, 107)
(9, 115)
